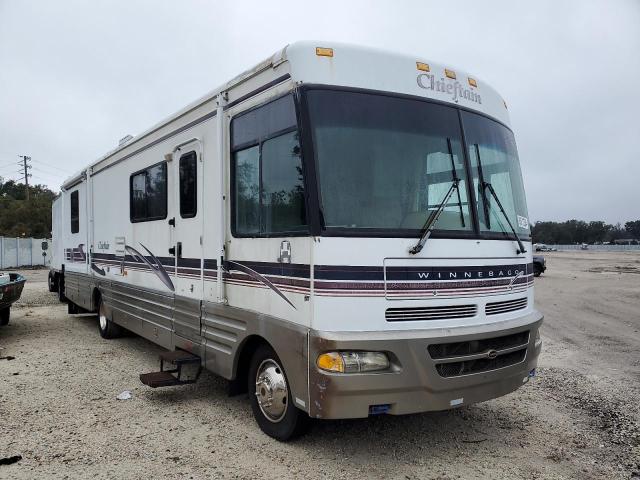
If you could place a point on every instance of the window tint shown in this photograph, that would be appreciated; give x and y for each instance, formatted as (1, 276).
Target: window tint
(188, 185)
(247, 190)
(267, 171)
(282, 187)
(387, 163)
(148, 194)
(75, 212)
(494, 160)
(258, 124)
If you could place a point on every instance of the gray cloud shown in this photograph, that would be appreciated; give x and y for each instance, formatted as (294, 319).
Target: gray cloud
(77, 76)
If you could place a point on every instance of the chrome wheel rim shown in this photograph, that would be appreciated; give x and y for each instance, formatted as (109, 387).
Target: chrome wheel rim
(272, 393)
(102, 317)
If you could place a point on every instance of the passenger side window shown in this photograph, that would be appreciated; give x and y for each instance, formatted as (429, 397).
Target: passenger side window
(75, 212)
(148, 194)
(267, 173)
(188, 185)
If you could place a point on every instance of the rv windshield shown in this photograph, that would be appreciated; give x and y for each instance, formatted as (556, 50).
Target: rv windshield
(385, 163)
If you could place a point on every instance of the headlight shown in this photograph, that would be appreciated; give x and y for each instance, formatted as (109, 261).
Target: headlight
(352, 362)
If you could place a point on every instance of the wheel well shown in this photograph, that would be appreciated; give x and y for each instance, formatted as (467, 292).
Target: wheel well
(238, 385)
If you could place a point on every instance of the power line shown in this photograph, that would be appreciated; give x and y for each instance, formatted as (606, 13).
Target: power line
(37, 169)
(49, 165)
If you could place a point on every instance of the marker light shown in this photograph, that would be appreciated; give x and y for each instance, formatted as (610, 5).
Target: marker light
(352, 362)
(472, 82)
(324, 52)
(423, 66)
(450, 73)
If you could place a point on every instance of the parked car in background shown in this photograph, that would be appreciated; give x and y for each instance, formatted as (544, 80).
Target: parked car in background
(541, 247)
(539, 265)
(11, 285)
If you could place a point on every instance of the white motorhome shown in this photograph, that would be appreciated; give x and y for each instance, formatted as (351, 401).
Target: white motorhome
(339, 231)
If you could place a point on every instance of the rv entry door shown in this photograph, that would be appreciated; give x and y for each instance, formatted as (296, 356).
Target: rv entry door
(187, 238)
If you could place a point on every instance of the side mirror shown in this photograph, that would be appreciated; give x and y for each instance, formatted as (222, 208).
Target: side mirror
(45, 245)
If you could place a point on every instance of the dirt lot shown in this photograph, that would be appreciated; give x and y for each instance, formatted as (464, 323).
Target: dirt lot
(580, 418)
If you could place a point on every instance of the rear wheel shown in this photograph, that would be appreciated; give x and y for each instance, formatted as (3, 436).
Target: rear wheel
(4, 316)
(52, 283)
(107, 328)
(270, 397)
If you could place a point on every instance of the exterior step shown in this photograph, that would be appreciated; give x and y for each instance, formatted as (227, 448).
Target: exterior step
(167, 378)
(179, 357)
(159, 379)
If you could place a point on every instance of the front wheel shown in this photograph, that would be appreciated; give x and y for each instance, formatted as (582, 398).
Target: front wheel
(4, 316)
(108, 329)
(270, 397)
(537, 270)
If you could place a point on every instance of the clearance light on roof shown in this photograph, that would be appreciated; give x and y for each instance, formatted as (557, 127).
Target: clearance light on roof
(450, 73)
(324, 52)
(424, 67)
(472, 82)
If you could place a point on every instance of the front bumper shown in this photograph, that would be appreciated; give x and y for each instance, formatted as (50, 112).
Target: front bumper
(413, 384)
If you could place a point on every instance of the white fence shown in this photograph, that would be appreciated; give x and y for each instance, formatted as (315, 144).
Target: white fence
(599, 248)
(23, 252)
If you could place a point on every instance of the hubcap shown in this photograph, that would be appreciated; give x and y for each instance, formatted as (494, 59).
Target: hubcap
(271, 390)
(102, 317)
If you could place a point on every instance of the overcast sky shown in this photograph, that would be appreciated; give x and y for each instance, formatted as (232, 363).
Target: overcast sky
(76, 76)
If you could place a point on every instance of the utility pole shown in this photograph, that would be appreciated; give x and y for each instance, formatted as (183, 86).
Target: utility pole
(26, 166)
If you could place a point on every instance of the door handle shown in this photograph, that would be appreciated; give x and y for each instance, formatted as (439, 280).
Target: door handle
(179, 245)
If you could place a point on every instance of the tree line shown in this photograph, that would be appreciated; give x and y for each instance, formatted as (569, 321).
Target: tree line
(22, 218)
(579, 231)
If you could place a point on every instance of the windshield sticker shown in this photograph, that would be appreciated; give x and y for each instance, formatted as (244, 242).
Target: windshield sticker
(523, 222)
(429, 82)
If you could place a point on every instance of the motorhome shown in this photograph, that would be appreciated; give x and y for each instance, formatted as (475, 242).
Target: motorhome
(339, 231)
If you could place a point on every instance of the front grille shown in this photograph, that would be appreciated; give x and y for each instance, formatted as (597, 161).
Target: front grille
(472, 347)
(430, 313)
(467, 367)
(507, 306)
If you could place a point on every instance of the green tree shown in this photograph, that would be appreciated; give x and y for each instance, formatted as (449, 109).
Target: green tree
(22, 218)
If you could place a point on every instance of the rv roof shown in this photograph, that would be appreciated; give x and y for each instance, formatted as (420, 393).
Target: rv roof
(331, 63)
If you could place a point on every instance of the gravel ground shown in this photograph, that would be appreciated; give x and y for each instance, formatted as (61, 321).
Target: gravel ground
(580, 418)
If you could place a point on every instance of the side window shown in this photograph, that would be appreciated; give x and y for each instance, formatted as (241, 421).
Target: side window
(148, 194)
(188, 185)
(75, 212)
(267, 174)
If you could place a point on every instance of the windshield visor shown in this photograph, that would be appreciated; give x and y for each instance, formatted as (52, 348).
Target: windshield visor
(494, 160)
(384, 163)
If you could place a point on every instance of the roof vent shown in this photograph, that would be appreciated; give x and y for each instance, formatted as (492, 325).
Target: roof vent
(125, 139)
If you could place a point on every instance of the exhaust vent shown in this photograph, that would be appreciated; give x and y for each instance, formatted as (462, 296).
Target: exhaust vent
(430, 313)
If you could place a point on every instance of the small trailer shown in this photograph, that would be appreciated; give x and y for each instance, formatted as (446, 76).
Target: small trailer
(11, 285)
(338, 231)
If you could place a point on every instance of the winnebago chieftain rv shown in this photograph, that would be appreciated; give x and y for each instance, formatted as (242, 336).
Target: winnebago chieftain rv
(340, 231)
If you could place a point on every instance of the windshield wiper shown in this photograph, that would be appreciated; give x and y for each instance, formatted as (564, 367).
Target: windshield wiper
(485, 203)
(435, 214)
(506, 217)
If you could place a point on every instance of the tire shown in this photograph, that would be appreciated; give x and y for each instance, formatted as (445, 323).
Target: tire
(51, 281)
(537, 271)
(106, 327)
(273, 408)
(4, 316)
